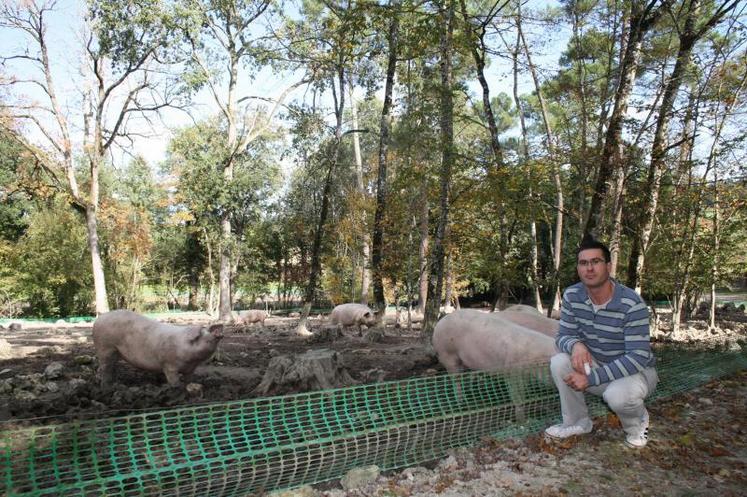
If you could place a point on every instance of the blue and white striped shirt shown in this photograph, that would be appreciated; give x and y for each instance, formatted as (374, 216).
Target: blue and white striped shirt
(617, 336)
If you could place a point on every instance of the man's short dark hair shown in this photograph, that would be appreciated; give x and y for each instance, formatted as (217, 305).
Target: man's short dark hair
(589, 243)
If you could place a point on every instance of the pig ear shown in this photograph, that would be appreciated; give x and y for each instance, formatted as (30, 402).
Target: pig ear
(216, 329)
(194, 333)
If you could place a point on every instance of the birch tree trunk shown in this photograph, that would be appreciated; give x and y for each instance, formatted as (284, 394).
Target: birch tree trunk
(559, 205)
(534, 258)
(366, 248)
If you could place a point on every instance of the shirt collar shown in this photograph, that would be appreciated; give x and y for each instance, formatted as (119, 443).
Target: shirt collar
(616, 295)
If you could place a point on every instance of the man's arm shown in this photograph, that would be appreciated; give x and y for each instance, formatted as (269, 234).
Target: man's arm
(568, 333)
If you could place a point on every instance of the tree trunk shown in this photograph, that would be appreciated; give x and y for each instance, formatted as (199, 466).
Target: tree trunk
(616, 237)
(446, 112)
(560, 203)
(211, 274)
(99, 281)
(641, 20)
(478, 49)
(656, 168)
(366, 248)
(681, 289)
(224, 278)
(716, 247)
(688, 38)
(381, 183)
(423, 246)
(316, 248)
(449, 292)
(316, 369)
(533, 253)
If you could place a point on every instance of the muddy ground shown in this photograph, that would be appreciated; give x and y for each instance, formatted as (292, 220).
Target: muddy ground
(33, 392)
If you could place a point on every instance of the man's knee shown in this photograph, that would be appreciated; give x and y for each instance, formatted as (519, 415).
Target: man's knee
(623, 396)
(560, 363)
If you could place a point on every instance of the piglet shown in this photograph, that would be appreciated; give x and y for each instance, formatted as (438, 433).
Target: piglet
(151, 345)
(353, 315)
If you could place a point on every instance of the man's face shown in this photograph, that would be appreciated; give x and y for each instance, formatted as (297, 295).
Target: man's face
(592, 269)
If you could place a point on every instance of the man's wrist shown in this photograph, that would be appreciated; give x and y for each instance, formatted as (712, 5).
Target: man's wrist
(570, 344)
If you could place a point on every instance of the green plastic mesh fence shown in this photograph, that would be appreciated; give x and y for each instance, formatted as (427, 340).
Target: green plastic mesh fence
(245, 448)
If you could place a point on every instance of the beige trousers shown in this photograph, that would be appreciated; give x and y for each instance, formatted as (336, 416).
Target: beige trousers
(624, 395)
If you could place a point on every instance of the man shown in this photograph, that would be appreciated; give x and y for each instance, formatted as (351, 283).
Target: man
(604, 349)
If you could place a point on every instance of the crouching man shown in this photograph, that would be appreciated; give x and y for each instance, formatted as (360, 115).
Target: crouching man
(604, 349)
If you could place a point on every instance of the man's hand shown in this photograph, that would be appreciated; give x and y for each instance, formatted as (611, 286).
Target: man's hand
(580, 356)
(577, 381)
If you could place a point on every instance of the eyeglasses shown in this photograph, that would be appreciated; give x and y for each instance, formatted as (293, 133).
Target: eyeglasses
(594, 262)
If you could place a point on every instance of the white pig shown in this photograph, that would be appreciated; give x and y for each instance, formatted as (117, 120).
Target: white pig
(484, 341)
(471, 339)
(252, 316)
(529, 317)
(353, 315)
(151, 345)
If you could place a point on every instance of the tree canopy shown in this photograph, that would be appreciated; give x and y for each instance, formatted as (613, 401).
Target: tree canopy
(467, 143)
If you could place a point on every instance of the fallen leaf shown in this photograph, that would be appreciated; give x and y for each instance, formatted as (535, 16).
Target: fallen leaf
(686, 439)
(613, 421)
(719, 452)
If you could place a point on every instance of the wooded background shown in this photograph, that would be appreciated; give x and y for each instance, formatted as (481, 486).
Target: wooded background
(387, 167)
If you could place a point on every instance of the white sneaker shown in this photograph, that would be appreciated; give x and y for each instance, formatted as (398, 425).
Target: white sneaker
(640, 439)
(561, 431)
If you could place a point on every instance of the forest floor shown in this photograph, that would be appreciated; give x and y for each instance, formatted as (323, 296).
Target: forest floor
(698, 439)
(697, 447)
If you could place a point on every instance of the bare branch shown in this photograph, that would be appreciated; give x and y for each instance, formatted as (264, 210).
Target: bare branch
(254, 133)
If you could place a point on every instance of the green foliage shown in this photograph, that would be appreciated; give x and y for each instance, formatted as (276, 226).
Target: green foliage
(14, 204)
(129, 31)
(47, 260)
(197, 156)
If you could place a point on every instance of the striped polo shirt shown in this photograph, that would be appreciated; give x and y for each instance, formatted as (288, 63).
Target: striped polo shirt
(616, 336)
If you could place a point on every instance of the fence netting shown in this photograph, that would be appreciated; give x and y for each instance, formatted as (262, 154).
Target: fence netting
(258, 445)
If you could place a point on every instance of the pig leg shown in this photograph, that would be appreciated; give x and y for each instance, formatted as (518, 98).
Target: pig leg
(516, 383)
(453, 364)
(173, 377)
(521, 381)
(107, 365)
